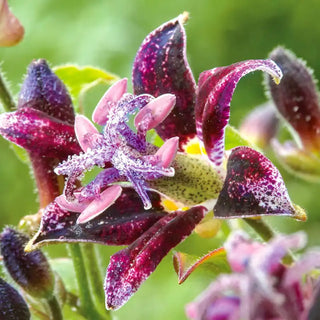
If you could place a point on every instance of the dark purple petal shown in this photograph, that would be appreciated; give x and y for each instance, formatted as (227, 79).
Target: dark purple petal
(120, 224)
(30, 270)
(253, 187)
(130, 267)
(39, 133)
(297, 97)
(161, 67)
(215, 91)
(43, 90)
(12, 305)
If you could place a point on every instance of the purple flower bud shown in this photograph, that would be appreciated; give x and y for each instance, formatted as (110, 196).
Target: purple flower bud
(43, 90)
(29, 270)
(12, 305)
(296, 97)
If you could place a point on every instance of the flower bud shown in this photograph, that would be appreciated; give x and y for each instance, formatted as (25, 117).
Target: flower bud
(296, 97)
(29, 270)
(12, 305)
(44, 91)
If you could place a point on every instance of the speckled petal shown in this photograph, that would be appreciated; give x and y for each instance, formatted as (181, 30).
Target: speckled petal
(44, 91)
(215, 91)
(39, 133)
(297, 98)
(253, 187)
(161, 67)
(120, 224)
(130, 267)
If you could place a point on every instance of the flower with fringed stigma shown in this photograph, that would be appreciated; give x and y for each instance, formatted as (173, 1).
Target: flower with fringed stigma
(125, 203)
(261, 286)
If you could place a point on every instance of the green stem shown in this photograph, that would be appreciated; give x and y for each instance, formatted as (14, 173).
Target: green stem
(261, 228)
(265, 231)
(56, 313)
(94, 278)
(86, 303)
(5, 96)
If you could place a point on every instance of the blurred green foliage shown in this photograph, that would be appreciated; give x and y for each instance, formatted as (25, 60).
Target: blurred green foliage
(107, 34)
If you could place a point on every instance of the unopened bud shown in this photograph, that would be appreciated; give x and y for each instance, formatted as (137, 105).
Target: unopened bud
(44, 91)
(12, 305)
(29, 270)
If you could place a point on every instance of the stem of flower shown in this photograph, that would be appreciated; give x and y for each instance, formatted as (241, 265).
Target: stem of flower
(265, 231)
(55, 309)
(5, 96)
(86, 303)
(94, 278)
(261, 228)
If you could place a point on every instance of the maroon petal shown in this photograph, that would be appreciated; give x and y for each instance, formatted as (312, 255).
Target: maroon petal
(130, 267)
(43, 90)
(253, 187)
(39, 133)
(297, 98)
(215, 92)
(161, 67)
(120, 224)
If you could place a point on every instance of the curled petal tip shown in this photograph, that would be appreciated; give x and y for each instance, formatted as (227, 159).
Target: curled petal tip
(216, 88)
(105, 200)
(184, 17)
(85, 132)
(155, 112)
(112, 96)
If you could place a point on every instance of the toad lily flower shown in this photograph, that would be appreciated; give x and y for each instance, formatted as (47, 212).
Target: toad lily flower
(118, 148)
(108, 210)
(260, 287)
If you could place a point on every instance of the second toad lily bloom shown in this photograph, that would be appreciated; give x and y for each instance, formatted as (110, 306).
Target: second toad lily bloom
(167, 99)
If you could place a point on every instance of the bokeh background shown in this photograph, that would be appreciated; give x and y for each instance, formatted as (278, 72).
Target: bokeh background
(107, 34)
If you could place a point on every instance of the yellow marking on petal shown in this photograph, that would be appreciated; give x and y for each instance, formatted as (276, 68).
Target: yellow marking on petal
(194, 146)
(170, 205)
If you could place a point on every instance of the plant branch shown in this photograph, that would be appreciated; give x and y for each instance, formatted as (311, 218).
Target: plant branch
(94, 278)
(86, 303)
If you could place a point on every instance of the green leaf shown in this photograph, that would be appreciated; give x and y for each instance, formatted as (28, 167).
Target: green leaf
(214, 262)
(80, 79)
(234, 139)
(64, 267)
